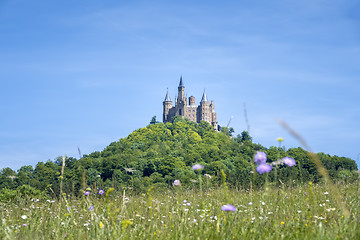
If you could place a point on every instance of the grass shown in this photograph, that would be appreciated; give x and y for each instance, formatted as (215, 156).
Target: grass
(307, 212)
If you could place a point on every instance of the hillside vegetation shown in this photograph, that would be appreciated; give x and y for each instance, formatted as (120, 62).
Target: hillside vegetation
(158, 154)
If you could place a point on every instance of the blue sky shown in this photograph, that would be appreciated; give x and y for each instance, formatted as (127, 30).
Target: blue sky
(87, 73)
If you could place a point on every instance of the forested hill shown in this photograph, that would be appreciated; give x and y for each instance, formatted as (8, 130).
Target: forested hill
(158, 154)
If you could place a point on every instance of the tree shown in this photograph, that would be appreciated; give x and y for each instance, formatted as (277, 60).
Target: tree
(245, 136)
(153, 120)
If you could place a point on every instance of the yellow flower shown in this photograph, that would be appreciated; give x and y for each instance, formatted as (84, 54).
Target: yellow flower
(282, 223)
(126, 223)
(101, 225)
(279, 139)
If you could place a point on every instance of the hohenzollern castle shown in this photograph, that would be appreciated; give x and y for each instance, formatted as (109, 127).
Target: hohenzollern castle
(187, 108)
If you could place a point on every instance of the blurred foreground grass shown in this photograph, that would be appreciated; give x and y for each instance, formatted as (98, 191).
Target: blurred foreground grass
(307, 212)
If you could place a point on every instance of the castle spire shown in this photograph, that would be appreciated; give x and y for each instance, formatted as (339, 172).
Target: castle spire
(204, 98)
(167, 97)
(181, 84)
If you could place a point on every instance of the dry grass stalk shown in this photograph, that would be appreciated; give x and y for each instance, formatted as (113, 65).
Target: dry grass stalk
(320, 168)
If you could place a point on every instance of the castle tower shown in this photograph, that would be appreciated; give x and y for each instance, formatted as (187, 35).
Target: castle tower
(167, 104)
(192, 101)
(204, 113)
(181, 91)
(213, 115)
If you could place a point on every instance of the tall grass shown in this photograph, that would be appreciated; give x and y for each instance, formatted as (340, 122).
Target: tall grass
(307, 212)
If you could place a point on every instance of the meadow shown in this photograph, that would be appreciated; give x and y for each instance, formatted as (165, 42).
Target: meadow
(310, 211)
(168, 182)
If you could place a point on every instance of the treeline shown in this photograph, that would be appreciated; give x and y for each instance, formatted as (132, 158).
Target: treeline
(161, 153)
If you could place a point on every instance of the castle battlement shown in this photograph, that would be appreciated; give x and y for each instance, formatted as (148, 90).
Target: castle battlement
(187, 108)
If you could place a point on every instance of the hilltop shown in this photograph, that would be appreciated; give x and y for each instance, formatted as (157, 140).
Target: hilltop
(159, 153)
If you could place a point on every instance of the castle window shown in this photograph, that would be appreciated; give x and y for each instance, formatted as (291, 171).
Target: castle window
(180, 112)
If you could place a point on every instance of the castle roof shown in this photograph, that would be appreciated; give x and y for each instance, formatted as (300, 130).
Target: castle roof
(181, 84)
(204, 98)
(167, 97)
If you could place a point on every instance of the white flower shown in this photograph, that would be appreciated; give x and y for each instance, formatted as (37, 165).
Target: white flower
(250, 203)
(326, 193)
(176, 182)
(24, 217)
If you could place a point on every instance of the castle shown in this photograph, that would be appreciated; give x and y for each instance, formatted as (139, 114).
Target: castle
(203, 112)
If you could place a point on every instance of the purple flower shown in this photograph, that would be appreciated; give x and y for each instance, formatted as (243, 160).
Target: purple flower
(101, 192)
(260, 158)
(177, 182)
(91, 208)
(263, 168)
(197, 167)
(289, 161)
(86, 193)
(228, 207)
(24, 224)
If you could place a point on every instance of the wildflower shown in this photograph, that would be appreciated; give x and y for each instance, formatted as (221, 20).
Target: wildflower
(207, 175)
(250, 203)
(101, 192)
(260, 158)
(86, 193)
(91, 208)
(197, 167)
(177, 182)
(282, 223)
(263, 168)
(24, 224)
(326, 193)
(279, 139)
(289, 161)
(101, 225)
(24, 217)
(228, 207)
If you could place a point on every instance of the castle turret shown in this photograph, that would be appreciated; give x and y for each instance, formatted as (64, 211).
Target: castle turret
(181, 91)
(167, 106)
(192, 101)
(204, 109)
(204, 97)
